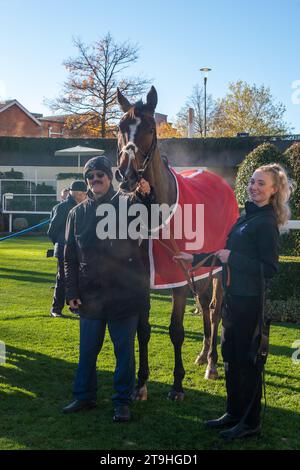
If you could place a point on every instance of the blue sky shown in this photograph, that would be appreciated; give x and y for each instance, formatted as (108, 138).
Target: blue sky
(256, 41)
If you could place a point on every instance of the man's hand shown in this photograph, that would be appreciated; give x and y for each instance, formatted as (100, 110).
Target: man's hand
(75, 303)
(143, 187)
(185, 257)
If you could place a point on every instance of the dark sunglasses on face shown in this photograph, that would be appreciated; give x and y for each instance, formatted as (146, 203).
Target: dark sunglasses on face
(90, 176)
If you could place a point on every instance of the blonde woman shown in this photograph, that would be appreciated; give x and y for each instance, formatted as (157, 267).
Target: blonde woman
(252, 255)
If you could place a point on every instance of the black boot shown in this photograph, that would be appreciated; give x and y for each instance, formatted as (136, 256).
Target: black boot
(223, 421)
(56, 313)
(122, 414)
(79, 405)
(239, 431)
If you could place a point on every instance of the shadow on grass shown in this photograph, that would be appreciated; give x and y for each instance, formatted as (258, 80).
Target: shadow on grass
(164, 330)
(278, 350)
(25, 271)
(30, 277)
(35, 387)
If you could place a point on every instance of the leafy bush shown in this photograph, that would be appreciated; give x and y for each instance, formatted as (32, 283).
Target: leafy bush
(286, 283)
(290, 243)
(12, 174)
(43, 188)
(292, 154)
(65, 176)
(283, 310)
(19, 204)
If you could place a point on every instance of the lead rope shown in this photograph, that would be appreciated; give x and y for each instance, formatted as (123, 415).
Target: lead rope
(189, 273)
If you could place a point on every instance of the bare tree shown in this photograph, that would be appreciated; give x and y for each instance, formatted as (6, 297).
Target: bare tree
(196, 101)
(89, 93)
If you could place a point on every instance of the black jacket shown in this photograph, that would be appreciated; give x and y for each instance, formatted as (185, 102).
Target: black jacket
(253, 240)
(108, 276)
(57, 226)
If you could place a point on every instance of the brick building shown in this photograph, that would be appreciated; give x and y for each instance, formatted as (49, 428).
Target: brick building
(17, 121)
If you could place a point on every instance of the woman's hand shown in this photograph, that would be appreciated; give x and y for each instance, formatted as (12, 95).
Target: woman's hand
(185, 257)
(223, 255)
(143, 187)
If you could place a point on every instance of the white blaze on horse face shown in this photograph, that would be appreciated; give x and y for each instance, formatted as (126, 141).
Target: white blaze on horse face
(130, 148)
(132, 129)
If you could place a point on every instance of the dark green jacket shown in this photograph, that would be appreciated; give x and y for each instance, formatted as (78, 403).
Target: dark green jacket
(108, 275)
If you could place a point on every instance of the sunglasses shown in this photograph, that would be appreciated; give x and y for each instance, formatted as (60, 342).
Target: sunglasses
(90, 176)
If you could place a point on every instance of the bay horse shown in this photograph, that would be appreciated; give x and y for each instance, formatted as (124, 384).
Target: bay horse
(139, 155)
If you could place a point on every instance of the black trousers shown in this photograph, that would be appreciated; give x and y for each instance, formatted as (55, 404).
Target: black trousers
(239, 346)
(59, 290)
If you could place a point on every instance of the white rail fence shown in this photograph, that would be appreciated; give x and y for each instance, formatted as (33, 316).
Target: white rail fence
(13, 203)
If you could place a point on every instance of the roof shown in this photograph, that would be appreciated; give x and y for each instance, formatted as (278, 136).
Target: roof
(9, 103)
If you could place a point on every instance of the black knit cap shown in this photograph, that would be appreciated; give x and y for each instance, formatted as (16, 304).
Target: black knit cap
(98, 163)
(78, 186)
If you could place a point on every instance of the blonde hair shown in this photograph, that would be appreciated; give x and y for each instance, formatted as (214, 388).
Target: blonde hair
(284, 187)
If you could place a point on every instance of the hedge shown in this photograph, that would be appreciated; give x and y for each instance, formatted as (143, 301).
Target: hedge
(283, 310)
(286, 283)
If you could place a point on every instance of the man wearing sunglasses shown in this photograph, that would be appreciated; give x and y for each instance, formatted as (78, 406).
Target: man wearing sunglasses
(107, 282)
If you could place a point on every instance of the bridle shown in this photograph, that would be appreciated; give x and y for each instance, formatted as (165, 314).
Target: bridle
(147, 158)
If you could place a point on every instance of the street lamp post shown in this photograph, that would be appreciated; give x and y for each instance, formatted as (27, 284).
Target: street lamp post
(205, 71)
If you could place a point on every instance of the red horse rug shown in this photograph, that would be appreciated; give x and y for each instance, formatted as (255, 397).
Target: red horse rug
(199, 222)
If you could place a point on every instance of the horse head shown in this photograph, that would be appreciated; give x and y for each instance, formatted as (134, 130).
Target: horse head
(136, 139)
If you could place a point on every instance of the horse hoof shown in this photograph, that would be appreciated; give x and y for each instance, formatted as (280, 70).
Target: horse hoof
(211, 374)
(200, 360)
(140, 394)
(175, 396)
(196, 312)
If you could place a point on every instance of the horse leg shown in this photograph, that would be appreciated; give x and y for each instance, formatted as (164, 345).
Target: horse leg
(143, 334)
(215, 309)
(176, 331)
(202, 356)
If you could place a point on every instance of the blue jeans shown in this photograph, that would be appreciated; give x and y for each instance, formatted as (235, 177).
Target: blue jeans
(122, 333)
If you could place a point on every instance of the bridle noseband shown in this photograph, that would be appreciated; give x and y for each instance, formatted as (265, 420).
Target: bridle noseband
(147, 157)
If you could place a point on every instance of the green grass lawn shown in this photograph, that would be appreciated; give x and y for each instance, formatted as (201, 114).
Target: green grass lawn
(42, 352)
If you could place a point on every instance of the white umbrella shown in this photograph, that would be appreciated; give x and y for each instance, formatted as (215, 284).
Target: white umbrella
(78, 151)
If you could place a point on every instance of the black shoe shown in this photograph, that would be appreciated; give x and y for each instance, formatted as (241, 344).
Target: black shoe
(79, 405)
(74, 310)
(239, 431)
(55, 313)
(225, 420)
(122, 414)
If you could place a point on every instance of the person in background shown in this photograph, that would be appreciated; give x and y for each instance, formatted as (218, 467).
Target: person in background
(251, 253)
(56, 233)
(64, 194)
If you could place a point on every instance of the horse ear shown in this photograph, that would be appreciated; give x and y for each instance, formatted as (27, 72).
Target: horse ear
(152, 99)
(123, 102)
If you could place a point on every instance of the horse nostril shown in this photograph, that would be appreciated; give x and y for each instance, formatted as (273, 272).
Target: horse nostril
(118, 175)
